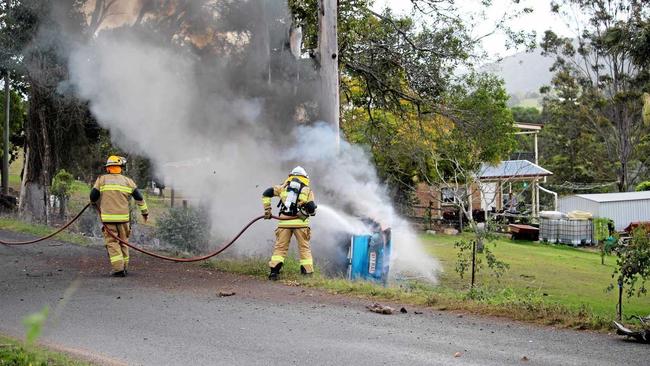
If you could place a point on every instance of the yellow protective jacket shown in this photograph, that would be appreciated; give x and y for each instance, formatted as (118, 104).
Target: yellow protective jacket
(305, 201)
(112, 193)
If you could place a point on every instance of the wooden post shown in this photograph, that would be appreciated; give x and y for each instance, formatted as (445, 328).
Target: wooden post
(328, 58)
(172, 197)
(619, 309)
(473, 262)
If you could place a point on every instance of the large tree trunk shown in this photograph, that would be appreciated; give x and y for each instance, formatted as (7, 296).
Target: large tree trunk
(328, 58)
(41, 159)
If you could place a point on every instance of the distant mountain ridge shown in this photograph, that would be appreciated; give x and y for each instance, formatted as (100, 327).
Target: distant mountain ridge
(524, 73)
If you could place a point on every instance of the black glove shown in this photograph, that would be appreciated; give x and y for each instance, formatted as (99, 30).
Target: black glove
(267, 214)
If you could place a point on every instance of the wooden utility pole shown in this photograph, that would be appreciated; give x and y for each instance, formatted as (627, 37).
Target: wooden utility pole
(328, 58)
(5, 154)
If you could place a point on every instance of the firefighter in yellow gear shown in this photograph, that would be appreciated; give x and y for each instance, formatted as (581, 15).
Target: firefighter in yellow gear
(111, 193)
(296, 201)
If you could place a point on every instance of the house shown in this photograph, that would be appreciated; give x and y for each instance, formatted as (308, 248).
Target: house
(496, 183)
(492, 187)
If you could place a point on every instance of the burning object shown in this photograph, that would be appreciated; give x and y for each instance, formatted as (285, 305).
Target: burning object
(369, 254)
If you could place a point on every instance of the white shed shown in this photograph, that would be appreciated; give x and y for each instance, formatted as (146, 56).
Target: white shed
(623, 208)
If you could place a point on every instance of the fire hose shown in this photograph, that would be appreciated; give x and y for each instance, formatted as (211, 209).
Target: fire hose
(144, 251)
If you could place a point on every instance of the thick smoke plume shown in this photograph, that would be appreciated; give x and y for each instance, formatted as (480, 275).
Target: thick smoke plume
(221, 125)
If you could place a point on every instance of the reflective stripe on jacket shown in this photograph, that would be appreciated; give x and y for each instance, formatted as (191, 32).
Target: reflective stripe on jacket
(115, 192)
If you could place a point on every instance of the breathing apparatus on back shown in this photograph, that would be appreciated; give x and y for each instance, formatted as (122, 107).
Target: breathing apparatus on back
(298, 179)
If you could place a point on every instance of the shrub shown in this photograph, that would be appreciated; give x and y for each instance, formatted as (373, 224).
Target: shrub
(187, 229)
(633, 264)
(62, 184)
(643, 186)
(62, 188)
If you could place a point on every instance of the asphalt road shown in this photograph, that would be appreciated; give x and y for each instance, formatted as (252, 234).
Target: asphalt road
(171, 314)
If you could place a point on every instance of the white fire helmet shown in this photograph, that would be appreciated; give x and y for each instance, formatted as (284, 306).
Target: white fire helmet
(299, 171)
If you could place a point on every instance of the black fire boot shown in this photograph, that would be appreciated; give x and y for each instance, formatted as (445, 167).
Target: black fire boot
(275, 272)
(304, 272)
(119, 274)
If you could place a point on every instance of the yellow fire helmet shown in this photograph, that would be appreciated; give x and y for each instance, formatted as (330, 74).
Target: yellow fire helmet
(115, 160)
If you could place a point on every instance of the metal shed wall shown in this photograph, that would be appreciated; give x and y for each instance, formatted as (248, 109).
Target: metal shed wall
(622, 212)
(572, 203)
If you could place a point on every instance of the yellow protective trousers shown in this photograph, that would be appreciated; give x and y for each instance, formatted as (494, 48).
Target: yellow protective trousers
(118, 254)
(281, 249)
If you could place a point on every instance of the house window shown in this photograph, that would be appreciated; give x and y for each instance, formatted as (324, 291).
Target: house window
(451, 196)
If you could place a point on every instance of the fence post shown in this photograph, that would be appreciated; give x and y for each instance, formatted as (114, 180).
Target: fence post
(620, 300)
(430, 215)
(473, 261)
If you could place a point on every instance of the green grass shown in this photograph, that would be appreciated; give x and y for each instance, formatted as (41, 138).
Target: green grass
(15, 353)
(11, 224)
(574, 278)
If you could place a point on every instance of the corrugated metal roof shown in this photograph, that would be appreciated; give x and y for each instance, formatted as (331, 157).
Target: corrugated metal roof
(512, 169)
(614, 197)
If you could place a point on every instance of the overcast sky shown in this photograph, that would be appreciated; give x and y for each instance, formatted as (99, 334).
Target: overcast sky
(539, 20)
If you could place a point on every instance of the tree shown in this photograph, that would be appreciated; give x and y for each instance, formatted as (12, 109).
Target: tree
(606, 77)
(633, 266)
(482, 132)
(526, 115)
(58, 128)
(572, 149)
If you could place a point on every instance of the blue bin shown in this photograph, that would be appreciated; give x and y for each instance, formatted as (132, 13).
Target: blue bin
(369, 257)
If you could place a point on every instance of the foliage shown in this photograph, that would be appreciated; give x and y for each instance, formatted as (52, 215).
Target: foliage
(595, 101)
(188, 229)
(402, 146)
(396, 74)
(58, 130)
(62, 184)
(483, 124)
(34, 325)
(643, 186)
(633, 263)
(13, 353)
(466, 254)
(391, 58)
(603, 228)
(526, 115)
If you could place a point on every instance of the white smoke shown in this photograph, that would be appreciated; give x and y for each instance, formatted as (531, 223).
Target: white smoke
(170, 106)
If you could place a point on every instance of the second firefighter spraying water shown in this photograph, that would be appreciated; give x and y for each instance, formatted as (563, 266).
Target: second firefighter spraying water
(297, 203)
